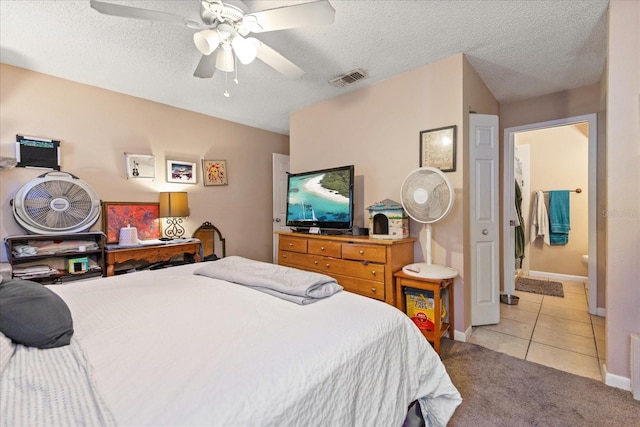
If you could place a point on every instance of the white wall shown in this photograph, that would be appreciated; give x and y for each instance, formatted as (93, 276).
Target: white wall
(623, 186)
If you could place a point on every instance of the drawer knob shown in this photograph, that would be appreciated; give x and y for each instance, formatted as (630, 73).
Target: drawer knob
(284, 256)
(328, 265)
(315, 262)
(322, 248)
(361, 252)
(373, 272)
(290, 244)
(373, 290)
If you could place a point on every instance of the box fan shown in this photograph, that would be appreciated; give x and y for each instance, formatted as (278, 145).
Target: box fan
(56, 203)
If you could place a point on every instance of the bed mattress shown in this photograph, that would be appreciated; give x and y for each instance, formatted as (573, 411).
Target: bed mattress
(168, 347)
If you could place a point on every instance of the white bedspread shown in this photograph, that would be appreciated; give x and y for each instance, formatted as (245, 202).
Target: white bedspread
(167, 347)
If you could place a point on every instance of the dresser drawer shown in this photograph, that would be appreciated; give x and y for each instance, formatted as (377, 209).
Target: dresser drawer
(292, 244)
(294, 259)
(331, 266)
(326, 248)
(364, 252)
(362, 287)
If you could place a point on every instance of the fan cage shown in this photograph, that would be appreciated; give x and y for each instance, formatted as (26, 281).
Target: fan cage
(56, 203)
(427, 195)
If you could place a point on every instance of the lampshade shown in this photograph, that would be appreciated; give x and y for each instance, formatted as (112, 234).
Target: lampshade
(174, 204)
(224, 59)
(245, 49)
(206, 41)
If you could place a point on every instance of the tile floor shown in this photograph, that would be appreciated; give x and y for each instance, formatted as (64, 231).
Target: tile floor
(552, 331)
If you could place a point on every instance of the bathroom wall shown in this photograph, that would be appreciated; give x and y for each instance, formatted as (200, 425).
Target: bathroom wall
(558, 161)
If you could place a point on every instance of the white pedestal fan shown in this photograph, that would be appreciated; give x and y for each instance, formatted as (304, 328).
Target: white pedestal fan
(427, 197)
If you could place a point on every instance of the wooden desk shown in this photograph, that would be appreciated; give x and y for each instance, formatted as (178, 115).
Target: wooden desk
(436, 286)
(155, 253)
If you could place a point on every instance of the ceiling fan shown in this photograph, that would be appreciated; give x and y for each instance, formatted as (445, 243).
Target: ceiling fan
(223, 27)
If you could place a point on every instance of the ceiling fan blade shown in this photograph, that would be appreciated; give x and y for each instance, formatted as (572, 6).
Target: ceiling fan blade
(319, 12)
(206, 67)
(137, 13)
(278, 62)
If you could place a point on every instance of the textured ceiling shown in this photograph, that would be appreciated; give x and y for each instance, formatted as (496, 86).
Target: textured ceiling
(520, 48)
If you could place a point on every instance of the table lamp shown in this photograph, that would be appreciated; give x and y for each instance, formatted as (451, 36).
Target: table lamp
(174, 205)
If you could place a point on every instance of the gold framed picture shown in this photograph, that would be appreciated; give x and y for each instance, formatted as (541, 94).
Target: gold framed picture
(214, 172)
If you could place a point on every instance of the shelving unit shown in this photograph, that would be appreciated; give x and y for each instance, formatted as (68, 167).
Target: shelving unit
(59, 249)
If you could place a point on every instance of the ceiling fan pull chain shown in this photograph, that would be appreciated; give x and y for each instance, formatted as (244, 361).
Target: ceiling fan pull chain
(235, 68)
(226, 85)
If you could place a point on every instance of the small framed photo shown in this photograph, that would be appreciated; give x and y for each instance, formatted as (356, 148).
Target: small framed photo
(140, 166)
(438, 148)
(181, 172)
(214, 172)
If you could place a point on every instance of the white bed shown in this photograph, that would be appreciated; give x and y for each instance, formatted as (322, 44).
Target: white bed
(168, 347)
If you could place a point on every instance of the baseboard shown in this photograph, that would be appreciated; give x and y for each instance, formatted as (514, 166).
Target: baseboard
(462, 336)
(601, 311)
(558, 276)
(616, 381)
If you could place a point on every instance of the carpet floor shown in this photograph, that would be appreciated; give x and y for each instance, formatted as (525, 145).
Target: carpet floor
(536, 286)
(500, 390)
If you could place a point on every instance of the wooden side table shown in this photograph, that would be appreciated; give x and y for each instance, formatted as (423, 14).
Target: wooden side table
(151, 253)
(438, 287)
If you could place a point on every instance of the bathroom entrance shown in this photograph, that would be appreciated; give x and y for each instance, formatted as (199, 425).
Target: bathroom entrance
(556, 155)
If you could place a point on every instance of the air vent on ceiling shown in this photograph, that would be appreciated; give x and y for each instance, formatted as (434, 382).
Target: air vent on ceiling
(348, 78)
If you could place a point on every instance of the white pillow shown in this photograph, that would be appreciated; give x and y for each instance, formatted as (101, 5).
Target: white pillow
(7, 348)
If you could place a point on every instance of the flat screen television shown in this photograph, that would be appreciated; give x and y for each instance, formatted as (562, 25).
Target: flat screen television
(321, 199)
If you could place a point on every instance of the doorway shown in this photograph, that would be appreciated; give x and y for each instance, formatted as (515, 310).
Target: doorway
(509, 267)
(280, 170)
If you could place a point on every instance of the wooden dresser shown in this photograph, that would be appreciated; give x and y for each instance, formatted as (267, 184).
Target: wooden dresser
(360, 264)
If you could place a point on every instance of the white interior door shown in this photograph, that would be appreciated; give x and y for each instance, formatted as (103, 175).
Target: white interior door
(484, 217)
(280, 168)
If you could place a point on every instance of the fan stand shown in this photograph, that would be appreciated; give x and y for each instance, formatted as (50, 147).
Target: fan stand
(427, 270)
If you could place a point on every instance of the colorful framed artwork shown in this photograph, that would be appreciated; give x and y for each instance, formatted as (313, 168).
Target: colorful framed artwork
(140, 166)
(438, 148)
(181, 172)
(214, 172)
(145, 217)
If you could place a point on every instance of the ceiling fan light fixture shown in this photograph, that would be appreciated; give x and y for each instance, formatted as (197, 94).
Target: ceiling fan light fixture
(206, 41)
(245, 49)
(224, 59)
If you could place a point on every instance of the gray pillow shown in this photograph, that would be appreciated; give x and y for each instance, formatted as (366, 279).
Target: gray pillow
(32, 315)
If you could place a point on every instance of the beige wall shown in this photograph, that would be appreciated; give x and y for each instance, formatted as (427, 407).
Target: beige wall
(97, 126)
(623, 184)
(377, 129)
(559, 158)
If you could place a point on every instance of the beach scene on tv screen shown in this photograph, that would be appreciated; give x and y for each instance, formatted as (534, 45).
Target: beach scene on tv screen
(323, 197)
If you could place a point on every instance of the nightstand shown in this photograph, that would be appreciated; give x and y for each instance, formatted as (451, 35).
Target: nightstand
(439, 288)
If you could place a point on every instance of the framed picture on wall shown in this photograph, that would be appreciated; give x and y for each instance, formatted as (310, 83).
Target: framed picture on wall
(438, 148)
(214, 172)
(140, 166)
(181, 172)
